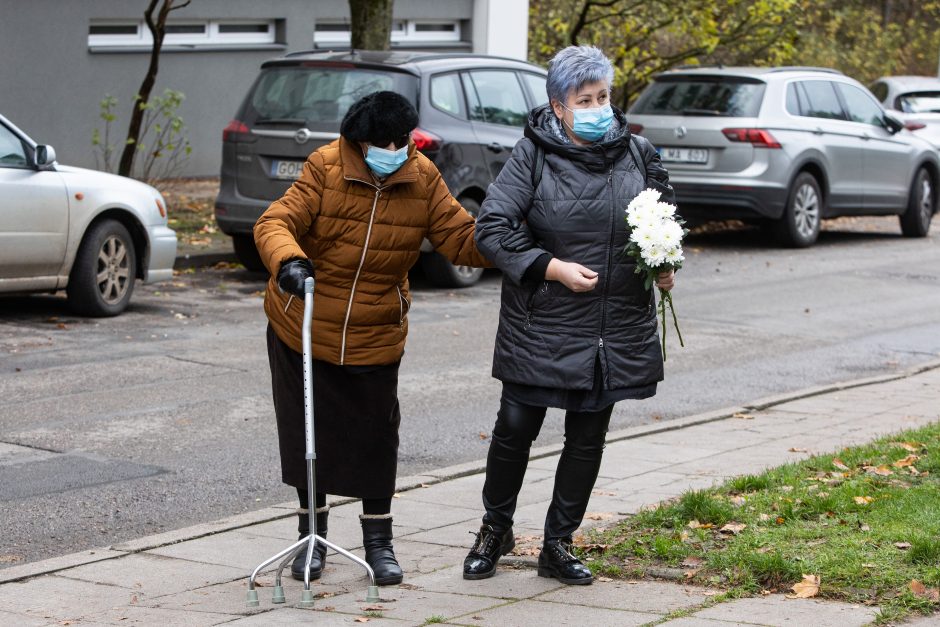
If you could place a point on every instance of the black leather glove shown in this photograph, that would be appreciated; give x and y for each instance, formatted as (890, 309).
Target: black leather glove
(291, 276)
(519, 238)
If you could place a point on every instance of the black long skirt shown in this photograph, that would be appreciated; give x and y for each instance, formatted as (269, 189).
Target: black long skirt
(356, 420)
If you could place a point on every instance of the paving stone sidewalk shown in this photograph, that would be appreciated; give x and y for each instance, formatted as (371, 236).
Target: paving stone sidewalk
(198, 576)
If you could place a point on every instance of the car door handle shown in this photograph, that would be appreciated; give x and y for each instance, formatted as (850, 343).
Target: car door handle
(495, 147)
(866, 136)
(818, 131)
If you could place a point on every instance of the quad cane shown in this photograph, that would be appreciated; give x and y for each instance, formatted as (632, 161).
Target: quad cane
(309, 542)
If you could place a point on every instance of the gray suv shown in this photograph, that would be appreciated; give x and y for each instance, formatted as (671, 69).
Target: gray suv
(471, 109)
(786, 147)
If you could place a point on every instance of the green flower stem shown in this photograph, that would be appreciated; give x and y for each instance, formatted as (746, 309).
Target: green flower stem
(665, 298)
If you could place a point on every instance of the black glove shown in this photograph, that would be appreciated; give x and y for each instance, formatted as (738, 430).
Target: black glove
(518, 239)
(291, 276)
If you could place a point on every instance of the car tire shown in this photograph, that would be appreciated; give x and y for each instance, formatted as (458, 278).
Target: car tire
(799, 226)
(104, 272)
(443, 273)
(247, 253)
(921, 205)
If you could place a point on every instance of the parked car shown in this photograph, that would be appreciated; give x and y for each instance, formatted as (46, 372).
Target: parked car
(787, 147)
(471, 108)
(89, 233)
(915, 100)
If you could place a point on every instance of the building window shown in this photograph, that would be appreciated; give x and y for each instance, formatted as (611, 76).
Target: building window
(124, 34)
(404, 32)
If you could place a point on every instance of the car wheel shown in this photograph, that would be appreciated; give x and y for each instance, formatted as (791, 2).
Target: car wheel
(104, 272)
(915, 222)
(442, 272)
(799, 226)
(247, 253)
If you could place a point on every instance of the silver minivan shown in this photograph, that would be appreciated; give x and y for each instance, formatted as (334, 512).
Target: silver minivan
(786, 147)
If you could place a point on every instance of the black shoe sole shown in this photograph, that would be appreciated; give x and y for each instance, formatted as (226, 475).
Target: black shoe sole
(549, 573)
(489, 573)
(314, 575)
(389, 581)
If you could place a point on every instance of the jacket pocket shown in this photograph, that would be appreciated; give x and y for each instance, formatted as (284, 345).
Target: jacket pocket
(404, 306)
(540, 289)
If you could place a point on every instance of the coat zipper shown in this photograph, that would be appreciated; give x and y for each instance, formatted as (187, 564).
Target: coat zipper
(362, 259)
(401, 308)
(610, 254)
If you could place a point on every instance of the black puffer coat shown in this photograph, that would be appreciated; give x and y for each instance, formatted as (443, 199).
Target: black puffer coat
(548, 335)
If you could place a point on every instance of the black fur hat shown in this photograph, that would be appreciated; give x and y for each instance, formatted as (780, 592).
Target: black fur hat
(380, 118)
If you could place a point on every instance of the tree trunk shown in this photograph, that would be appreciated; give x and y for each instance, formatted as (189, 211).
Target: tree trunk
(157, 30)
(371, 24)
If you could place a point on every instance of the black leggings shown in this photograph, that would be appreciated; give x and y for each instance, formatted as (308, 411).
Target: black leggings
(369, 506)
(517, 426)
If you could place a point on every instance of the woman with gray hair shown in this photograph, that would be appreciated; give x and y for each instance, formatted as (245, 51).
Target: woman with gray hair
(577, 328)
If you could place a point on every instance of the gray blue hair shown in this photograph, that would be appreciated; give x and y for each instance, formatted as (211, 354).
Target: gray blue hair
(574, 66)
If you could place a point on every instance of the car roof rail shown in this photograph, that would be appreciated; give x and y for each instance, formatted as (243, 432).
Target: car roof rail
(399, 56)
(804, 68)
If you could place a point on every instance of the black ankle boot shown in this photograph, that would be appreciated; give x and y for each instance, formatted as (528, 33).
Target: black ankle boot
(490, 545)
(377, 541)
(556, 561)
(319, 551)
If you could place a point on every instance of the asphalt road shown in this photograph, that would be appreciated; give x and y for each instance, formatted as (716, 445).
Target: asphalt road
(112, 429)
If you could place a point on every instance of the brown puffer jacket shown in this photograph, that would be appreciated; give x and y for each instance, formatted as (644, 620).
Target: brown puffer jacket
(362, 237)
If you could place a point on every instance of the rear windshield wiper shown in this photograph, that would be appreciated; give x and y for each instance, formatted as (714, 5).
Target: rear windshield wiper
(281, 121)
(711, 112)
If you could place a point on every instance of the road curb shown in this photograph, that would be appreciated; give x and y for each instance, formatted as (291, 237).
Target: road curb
(413, 482)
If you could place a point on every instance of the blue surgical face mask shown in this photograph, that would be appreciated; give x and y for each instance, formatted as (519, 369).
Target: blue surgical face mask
(383, 162)
(591, 124)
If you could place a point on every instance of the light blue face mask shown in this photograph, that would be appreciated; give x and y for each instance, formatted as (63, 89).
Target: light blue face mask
(592, 124)
(383, 162)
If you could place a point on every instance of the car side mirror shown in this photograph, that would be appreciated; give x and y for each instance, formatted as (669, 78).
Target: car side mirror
(45, 155)
(893, 124)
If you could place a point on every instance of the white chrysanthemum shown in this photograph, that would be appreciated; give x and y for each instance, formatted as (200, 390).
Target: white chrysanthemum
(671, 234)
(648, 197)
(644, 236)
(665, 210)
(674, 255)
(654, 256)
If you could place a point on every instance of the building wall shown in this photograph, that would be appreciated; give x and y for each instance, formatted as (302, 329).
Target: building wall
(51, 84)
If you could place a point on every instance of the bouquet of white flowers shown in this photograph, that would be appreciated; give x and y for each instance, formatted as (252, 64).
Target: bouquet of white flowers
(656, 244)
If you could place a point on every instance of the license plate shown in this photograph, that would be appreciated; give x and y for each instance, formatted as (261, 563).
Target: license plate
(286, 169)
(684, 155)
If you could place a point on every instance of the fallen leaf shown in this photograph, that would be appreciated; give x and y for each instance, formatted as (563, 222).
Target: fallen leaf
(796, 449)
(869, 566)
(863, 500)
(598, 515)
(484, 435)
(689, 574)
(362, 619)
(604, 579)
(692, 562)
(603, 493)
(905, 462)
(374, 608)
(806, 589)
(922, 591)
(903, 545)
(733, 528)
(838, 463)
(738, 501)
(881, 471)
(913, 447)
(742, 416)
(780, 520)
(711, 593)
(424, 485)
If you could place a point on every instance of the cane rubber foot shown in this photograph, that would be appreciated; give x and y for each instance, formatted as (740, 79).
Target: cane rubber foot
(278, 595)
(253, 598)
(306, 598)
(373, 595)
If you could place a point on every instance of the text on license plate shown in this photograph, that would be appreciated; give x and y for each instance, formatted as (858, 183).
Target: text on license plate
(286, 169)
(684, 155)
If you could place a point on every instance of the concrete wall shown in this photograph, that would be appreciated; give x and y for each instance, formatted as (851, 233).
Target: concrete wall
(501, 28)
(51, 84)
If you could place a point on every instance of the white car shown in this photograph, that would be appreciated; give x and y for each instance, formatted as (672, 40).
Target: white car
(87, 232)
(915, 100)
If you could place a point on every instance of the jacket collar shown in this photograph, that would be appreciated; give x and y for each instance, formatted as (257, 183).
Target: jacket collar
(599, 155)
(355, 168)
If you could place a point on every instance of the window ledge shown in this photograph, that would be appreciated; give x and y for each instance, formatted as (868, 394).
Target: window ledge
(188, 48)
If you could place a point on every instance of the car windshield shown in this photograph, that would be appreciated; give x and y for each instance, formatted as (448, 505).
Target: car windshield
(701, 96)
(920, 102)
(301, 95)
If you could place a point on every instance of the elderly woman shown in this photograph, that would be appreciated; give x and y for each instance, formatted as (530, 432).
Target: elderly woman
(356, 217)
(577, 328)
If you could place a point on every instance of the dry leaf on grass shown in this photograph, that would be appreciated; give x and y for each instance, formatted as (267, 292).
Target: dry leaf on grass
(838, 463)
(863, 500)
(913, 447)
(922, 591)
(733, 528)
(806, 589)
(881, 471)
(692, 562)
(907, 461)
(902, 545)
(694, 524)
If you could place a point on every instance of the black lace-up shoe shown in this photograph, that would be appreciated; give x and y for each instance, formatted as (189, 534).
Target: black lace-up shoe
(490, 545)
(556, 561)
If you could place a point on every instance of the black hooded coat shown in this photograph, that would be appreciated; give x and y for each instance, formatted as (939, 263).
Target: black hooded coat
(549, 336)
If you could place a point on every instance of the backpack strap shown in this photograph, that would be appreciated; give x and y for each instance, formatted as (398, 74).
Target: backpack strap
(638, 160)
(537, 166)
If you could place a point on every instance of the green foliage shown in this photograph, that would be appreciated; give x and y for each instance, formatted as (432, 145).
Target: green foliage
(164, 145)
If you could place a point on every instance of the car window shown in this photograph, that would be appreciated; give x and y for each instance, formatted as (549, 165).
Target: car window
(708, 96)
(12, 152)
(822, 101)
(919, 102)
(793, 100)
(880, 90)
(301, 94)
(860, 106)
(447, 94)
(501, 100)
(536, 84)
